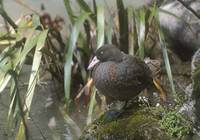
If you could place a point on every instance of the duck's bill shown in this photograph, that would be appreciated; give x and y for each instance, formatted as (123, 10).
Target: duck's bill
(94, 61)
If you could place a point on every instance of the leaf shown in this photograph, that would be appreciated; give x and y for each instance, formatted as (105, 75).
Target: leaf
(94, 6)
(100, 41)
(100, 26)
(140, 26)
(81, 65)
(7, 63)
(32, 81)
(35, 68)
(29, 45)
(153, 13)
(12, 105)
(91, 106)
(70, 12)
(109, 31)
(84, 6)
(36, 20)
(15, 107)
(123, 26)
(166, 60)
(70, 45)
(131, 31)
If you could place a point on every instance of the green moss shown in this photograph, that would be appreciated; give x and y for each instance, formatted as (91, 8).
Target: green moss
(175, 124)
(141, 124)
(123, 128)
(132, 126)
(196, 82)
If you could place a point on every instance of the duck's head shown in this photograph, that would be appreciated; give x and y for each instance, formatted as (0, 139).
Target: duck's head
(106, 53)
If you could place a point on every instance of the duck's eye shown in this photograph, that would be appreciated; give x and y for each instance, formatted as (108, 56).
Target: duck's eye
(101, 52)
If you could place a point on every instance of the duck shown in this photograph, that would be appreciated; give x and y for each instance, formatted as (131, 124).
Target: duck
(119, 76)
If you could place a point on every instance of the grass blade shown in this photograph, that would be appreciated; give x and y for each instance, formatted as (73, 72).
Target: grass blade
(109, 31)
(70, 12)
(32, 81)
(140, 25)
(16, 107)
(123, 26)
(100, 42)
(166, 60)
(29, 45)
(8, 62)
(100, 26)
(95, 6)
(35, 67)
(131, 31)
(91, 106)
(84, 6)
(70, 45)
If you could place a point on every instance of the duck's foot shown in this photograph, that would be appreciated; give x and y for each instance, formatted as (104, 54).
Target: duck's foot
(114, 110)
(116, 105)
(117, 109)
(111, 115)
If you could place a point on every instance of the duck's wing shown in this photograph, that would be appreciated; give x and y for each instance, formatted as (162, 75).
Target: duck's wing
(134, 72)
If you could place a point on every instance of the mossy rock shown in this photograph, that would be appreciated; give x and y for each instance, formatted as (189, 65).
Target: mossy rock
(196, 85)
(143, 124)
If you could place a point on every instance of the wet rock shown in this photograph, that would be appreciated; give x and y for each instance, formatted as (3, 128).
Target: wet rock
(181, 26)
(196, 85)
(191, 108)
(143, 124)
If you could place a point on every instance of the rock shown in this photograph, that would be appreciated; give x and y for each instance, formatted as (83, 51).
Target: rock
(191, 108)
(196, 85)
(182, 27)
(141, 124)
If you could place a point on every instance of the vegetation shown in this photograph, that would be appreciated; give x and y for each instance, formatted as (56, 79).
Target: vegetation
(175, 124)
(137, 125)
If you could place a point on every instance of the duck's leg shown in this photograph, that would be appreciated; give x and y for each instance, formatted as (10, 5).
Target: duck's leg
(158, 86)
